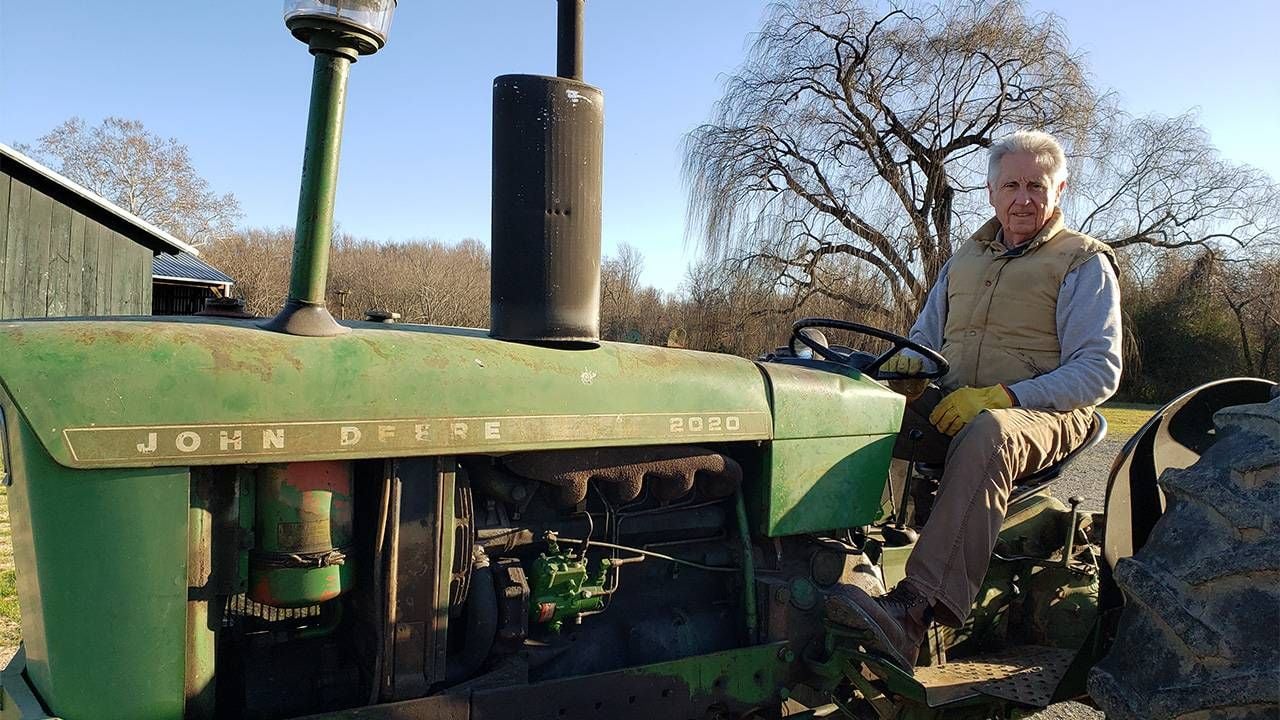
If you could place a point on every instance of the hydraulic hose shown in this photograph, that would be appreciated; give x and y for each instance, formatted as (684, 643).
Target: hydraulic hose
(748, 568)
(482, 623)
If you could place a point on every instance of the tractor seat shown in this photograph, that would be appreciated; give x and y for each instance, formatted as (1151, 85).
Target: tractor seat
(1033, 482)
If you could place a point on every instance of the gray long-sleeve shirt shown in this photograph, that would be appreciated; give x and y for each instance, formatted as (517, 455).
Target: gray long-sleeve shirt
(1088, 319)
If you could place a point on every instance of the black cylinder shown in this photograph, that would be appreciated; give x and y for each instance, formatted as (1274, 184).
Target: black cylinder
(569, 39)
(548, 146)
(482, 627)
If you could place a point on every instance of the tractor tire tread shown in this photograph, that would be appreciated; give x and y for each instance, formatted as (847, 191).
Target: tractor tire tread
(1159, 593)
(1196, 640)
(1246, 697)
(1257, 566)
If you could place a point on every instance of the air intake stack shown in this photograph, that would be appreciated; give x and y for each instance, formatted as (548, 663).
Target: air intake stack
(548, 147)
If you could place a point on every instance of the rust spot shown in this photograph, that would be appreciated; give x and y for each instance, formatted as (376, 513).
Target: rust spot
(376, 347)
(14, 336)
(84, 335)
(228, 361)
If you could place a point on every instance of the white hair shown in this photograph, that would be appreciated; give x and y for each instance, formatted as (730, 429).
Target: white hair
(1042, 145)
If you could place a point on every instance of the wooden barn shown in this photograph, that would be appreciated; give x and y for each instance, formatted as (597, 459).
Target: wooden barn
(65, 251)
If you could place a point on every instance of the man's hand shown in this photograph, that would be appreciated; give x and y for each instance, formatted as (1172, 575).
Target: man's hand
(962, 406)
(912, 388)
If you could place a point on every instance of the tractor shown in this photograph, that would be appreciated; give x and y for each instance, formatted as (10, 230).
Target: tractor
(221, 516)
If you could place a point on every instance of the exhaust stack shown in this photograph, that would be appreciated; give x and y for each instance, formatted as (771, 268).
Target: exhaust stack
(337, 32)
(548, 148)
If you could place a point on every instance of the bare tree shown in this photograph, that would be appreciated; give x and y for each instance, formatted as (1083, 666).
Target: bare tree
(258, 260)
(1252, 294)
(619, 293)
(856, 132)
(150, 176)
(426, 281)
(1160, 182)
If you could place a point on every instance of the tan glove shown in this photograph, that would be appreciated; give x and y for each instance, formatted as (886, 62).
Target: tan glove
(902, 364)
(962, 406)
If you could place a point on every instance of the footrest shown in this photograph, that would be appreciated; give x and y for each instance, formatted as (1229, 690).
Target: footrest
(1027, 674)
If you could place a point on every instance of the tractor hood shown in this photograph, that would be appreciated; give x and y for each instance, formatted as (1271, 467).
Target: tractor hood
(199, 391)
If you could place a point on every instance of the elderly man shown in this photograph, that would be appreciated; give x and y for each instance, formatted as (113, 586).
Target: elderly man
(1028, 314)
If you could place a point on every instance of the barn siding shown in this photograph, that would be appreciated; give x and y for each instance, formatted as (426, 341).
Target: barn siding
(105, 257)
(35, 242)
(75, 266)
(56, 261)
(4, 231)
(59, 262)
(89, 270)
(15, 237)
(145, 287)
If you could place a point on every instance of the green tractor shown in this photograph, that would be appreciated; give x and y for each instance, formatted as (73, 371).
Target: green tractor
(225, 517)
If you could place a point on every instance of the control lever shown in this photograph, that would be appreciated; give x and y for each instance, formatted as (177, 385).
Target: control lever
(915, 436)
(1075, 501)
(898, 534)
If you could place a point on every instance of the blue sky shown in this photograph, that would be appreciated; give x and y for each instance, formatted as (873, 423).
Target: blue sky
(228, 80)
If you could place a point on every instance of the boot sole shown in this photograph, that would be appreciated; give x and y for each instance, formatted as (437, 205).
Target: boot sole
(855, 617)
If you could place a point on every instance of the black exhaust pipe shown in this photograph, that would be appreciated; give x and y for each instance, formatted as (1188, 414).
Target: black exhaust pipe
(548, 149)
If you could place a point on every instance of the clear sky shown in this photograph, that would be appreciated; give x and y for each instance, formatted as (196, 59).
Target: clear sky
(227, 79)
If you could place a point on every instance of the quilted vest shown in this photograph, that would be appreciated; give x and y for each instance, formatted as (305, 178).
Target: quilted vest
(1002, 304)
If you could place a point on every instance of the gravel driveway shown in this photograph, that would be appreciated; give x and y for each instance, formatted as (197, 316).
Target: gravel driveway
(1087, 476)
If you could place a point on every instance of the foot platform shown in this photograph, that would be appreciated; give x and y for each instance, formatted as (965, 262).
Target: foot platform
(1025, 675)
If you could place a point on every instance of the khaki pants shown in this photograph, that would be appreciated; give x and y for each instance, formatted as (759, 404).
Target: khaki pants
(982, 462)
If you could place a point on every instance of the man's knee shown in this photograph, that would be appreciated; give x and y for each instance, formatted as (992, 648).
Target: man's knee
(986, 431)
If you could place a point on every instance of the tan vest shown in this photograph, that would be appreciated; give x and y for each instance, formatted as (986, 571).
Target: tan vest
(1002, 304)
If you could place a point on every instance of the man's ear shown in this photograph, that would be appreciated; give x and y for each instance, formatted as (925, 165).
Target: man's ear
(1062, 187)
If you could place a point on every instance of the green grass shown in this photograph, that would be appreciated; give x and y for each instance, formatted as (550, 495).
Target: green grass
(9, 606)
(10, 629)
(1124, 419)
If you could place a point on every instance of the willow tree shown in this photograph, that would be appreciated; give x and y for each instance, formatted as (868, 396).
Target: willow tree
(856, 133)
(1160, 182)
(861, 132)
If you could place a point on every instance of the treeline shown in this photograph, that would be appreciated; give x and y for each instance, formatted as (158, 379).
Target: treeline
(1196, 317)
(425, 281)
(1190, 317)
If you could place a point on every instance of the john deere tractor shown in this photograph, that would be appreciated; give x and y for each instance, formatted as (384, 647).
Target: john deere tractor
(231, 517)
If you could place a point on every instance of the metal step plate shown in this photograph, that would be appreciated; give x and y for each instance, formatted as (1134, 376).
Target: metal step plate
(1027, 674)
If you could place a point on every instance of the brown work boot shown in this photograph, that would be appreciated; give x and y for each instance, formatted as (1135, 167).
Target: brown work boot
(897, 620)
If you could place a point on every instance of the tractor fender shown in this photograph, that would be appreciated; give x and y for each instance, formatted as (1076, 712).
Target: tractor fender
(1175, 437)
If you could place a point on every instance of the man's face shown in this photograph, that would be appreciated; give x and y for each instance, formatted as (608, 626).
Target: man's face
(1023, 196)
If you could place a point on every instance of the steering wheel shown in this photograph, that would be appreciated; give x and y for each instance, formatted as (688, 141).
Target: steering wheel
(941, 366)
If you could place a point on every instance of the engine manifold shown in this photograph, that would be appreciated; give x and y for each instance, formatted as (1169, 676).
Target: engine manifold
(669, 471)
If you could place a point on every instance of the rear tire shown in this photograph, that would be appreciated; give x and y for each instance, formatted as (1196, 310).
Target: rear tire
(1199, 637)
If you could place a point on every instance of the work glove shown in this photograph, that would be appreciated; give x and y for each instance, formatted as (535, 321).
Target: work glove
(912, 388)
(960, 407)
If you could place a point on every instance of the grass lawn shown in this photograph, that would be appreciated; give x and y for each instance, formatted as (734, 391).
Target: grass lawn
(1123, 419)
(9, 628)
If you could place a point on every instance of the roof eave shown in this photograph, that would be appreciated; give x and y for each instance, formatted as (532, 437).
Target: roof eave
(164, 241)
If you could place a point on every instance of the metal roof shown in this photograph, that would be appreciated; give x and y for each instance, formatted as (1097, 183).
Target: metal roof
(163, 241)
(187, 267)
